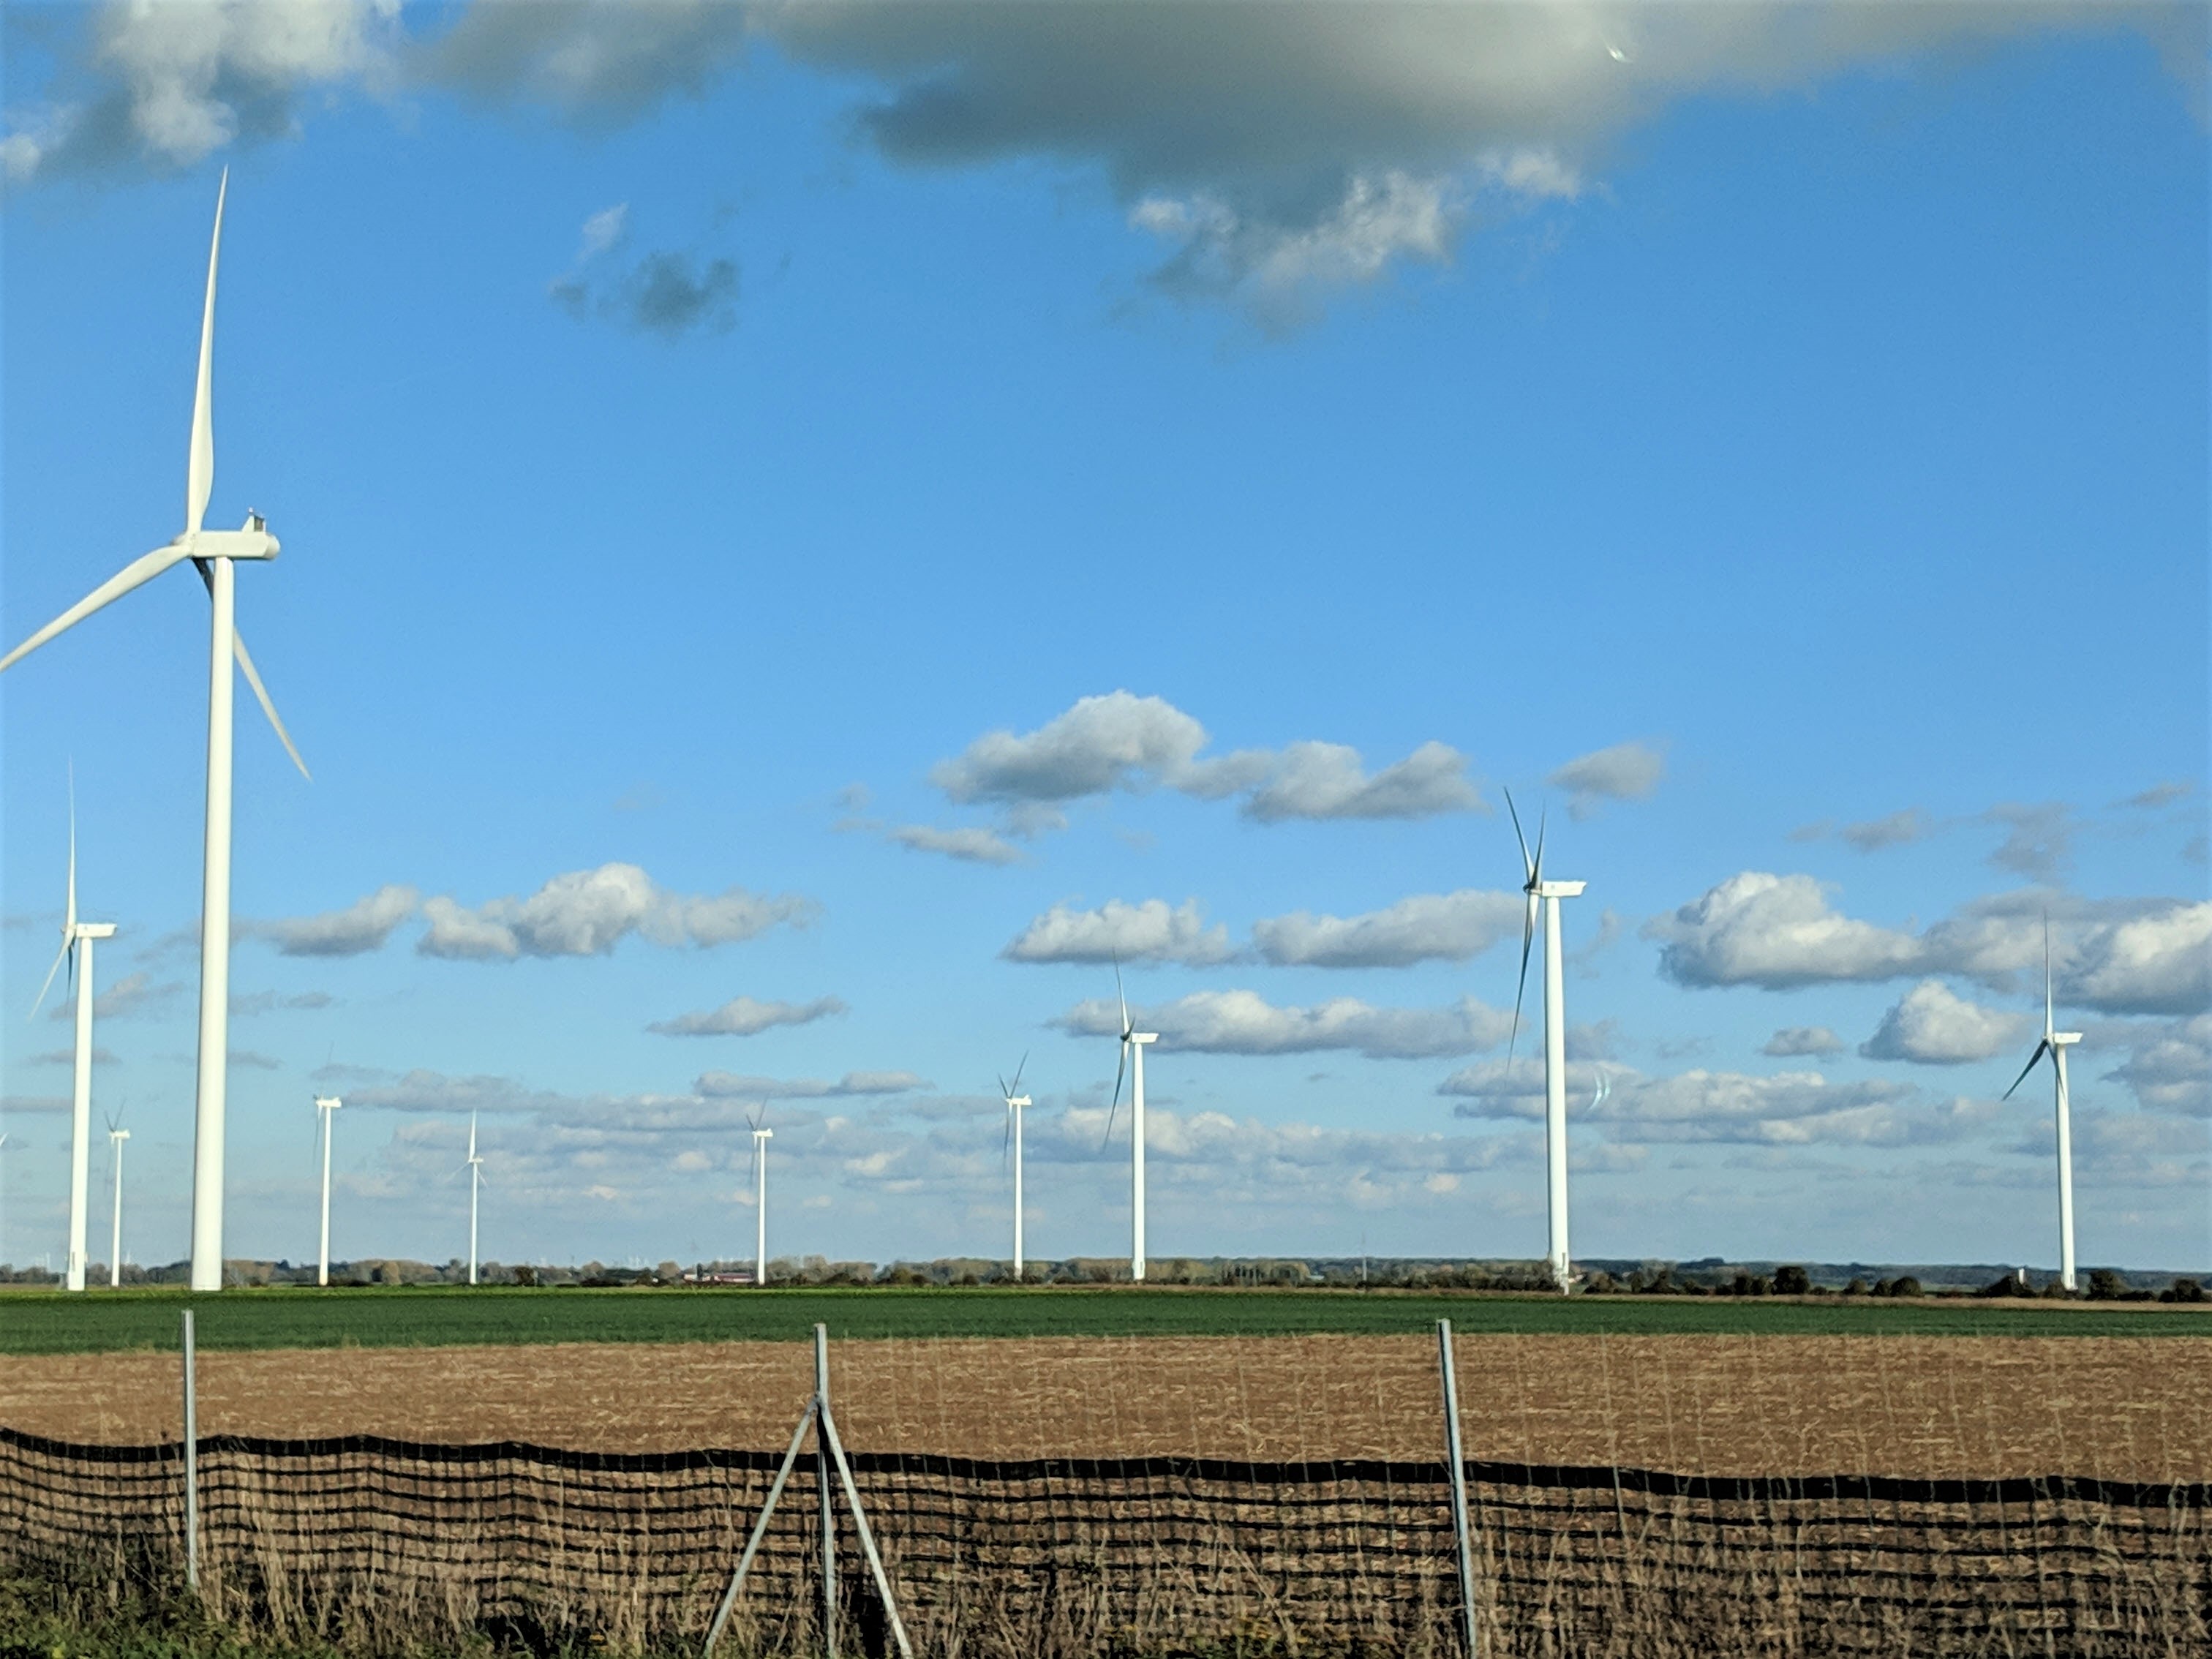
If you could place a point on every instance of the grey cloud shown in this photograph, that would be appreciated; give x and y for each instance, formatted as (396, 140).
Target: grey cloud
(1244, 1023)
(1899, 829)
(718, 1085)
(1931, 1025)
(36, 1103)
(259, 1062)
(2130, 1151)
(1794, 1041)
(669, 293)
(68, 1057)
(1150, 932)
(2116, 956)
(744, 1016)
(245, 1004)
(2038, 840)
(1120, 741)
(597, 62)
(971, 845)
(134, 995)
(589, 912)
(2160, 795)
(1326, 780)
(362, 926)
(1626, 771)
(2169, 1067)
(1426, 927)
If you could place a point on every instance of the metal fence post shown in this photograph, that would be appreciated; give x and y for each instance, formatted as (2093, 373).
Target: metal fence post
(192, 1464)
(821, 1485)
(1461, 1527)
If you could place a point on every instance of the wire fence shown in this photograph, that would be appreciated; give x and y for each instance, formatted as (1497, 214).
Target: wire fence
(356, 1535)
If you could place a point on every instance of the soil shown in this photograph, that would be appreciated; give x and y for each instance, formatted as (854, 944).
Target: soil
(2119, 1408)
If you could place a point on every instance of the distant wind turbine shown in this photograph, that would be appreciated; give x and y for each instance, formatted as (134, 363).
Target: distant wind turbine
(1545, 895)
(115, 1138)
(2055, 1043)
(326, 1110)
(214, 552)
(1132, 1043)
(476, 1181)
(77, 935)
(1011, 1093)
(762, 1136)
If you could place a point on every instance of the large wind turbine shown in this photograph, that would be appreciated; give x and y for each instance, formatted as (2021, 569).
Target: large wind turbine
(475, 1185)
(1011, 1093)
(327, 1109)
(74, 935)
(762, 1136)
(1545, 895)
(115, 1138)
(2056, 1043)
(1132, 1043)
(214, 552)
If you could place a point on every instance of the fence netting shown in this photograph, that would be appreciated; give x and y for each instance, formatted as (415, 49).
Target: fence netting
(1128, 1555)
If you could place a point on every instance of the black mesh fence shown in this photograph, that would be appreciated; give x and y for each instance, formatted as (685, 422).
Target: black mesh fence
(1088, 1556)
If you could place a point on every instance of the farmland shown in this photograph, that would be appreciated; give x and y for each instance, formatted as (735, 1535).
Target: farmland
(36, 1322)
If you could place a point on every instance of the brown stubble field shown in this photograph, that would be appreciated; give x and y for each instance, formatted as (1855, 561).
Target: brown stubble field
(2117, 1409)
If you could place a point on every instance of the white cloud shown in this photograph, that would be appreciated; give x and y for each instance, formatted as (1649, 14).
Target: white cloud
(1120, 741)
(589, 912)
(1150, 932)
(1626, 771)
(1244, 1023)
(1788, 1109)
(603, 230)
(176, 82)
(1426, 927)
(1814, 1041)
(134, 995)
(1931, 1025)
(973, 845)
(2116, 956)
(1775, 932)
(744, 1016)
(362, 926)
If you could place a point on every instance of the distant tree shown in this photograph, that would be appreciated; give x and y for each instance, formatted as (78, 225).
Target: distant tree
(1856, 1287)
(1792, 1281)
(1903, 1285)
(525, 1276)
(2182, 1289)
(2106, 1285)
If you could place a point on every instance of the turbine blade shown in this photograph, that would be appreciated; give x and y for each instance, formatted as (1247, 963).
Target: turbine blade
(2041, 1048)
(1019, 1069)
(2048, 1026)
(1119, 996)
(199, 467)
(1007, 1145)
(68, 944)
(1528, 864)
(472, 1137)
(1536, 871)
(1521, 990)
(253, 679)
(1113, 1105)
(136, 573)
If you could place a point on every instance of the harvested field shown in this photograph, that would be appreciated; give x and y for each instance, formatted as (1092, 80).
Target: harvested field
(2113, 1408)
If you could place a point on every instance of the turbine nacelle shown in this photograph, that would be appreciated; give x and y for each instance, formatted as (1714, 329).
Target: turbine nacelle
(106, 930)
(1555, 889)
(252, 540)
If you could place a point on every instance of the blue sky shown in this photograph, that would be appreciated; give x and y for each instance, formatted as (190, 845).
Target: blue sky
(867, 510)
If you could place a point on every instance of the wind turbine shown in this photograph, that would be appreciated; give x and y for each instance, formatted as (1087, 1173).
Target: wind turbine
(2056, 1043)
(476, 1181)
(74, 935)
(214, 552)
(326, 1107)
(1015, 1101)
(1133, 1041)
(1545, 895)
(115, 1138)
(762, 1136)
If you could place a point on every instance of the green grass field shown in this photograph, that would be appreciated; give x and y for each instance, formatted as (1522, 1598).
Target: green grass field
(46, 1321)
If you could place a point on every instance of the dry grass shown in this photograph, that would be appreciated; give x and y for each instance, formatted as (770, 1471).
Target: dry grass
(2119, 1408)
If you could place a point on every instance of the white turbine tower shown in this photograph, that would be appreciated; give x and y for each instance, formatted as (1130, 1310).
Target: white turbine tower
(2055, 1043)
(115, 1138)
(1132, 1043)
(762, 1136)
(1545, 895)
(327, 1109)
(474, 1165)
(1011, 1093)
(214, 552)
(77, 935)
